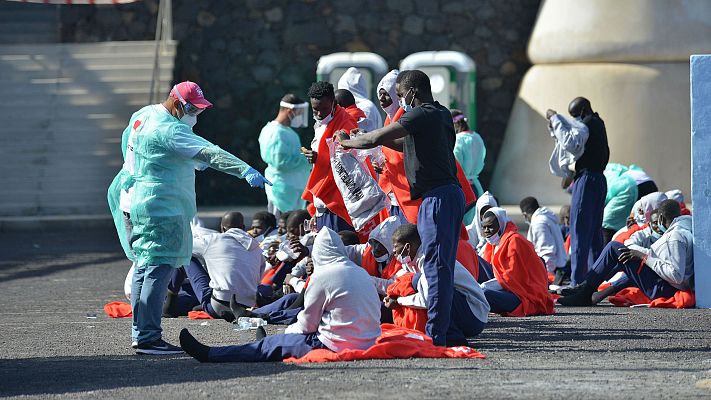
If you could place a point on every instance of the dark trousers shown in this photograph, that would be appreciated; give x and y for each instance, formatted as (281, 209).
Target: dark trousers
(607, 235)
(196, 291)
(501, 301)
(333, 222)
(271, 348)
(644, 278)
(463, 323)
(280, 312)
(486, 271)
(586, 210)
(439, 220)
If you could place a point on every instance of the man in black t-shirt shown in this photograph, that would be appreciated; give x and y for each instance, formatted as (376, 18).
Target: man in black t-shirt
(425, 134)
(589, 190)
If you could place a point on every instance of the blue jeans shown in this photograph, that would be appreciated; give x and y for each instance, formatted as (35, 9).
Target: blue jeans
(586, 211)
(148, 290)
(486, 271)
(271, 348)
(439, 220)
(645, 279)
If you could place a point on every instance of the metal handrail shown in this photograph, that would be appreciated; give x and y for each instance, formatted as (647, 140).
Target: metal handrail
(164, 34)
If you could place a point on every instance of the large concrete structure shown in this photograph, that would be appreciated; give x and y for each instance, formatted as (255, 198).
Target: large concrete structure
(631, 59)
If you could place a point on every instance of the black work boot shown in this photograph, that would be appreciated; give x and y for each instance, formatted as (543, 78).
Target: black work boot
(581, 297)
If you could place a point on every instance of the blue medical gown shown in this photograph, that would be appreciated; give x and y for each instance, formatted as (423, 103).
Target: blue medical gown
(288, 170)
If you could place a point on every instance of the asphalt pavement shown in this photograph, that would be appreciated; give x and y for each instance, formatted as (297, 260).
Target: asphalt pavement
(56, 341)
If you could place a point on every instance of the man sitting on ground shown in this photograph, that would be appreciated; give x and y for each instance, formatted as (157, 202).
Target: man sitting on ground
(224, 265)
(544, 233)
(341, 312)
(520, 286)
(660, 271)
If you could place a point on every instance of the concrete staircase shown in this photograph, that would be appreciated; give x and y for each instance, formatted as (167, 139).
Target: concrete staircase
(64, 109)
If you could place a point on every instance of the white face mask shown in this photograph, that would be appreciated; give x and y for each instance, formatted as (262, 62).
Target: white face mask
(189, 120)
(405, 260)
(327, 119)
(382, 258)
(494, 239)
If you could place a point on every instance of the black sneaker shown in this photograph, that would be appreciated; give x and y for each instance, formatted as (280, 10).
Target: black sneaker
(260, 333)
(158, 347)
(581, 298)
(561, 277)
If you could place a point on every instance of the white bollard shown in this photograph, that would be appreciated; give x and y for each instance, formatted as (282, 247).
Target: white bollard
(700, 177)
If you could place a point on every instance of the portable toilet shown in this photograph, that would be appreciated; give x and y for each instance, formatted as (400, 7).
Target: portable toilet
(373, 67)
(452, 77)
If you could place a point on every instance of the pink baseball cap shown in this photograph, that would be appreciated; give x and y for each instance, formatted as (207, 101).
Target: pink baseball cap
(191, 93)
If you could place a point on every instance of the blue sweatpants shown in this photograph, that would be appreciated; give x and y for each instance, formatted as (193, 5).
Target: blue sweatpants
(501, 301)
(271, 348)
(333, 222)
(586, 211)
(279, 312)
(645, 279)
(197, 292)
(439, 220)
(486, 271)
(463, 324)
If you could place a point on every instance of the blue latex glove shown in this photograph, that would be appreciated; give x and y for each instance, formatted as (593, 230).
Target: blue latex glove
(255, 179)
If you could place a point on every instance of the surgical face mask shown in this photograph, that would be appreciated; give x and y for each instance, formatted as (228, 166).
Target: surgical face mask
(406, 107)
(189, 120)
(494, 239)
(654, 234)
(662, 227)
(382, 258)
(327, 119)
(405, 260)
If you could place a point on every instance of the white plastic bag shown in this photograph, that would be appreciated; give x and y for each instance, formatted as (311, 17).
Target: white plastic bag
(361, 194)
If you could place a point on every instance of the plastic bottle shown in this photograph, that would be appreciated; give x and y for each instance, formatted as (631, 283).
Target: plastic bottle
(245, 323)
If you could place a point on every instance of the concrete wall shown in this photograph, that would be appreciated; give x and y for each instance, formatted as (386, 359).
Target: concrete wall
(631, 60)
(246, 54)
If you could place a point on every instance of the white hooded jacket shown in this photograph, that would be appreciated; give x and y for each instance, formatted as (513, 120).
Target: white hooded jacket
(476, 238)
(672, 256)
(341, 303)
(544, 232)
(234, 262)
(354, 81)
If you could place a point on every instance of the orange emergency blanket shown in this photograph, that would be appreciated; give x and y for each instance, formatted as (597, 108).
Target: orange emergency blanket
(631, 296)
(519, 270)
(199, 315)
(321, 183)
(393, 343)
(406, 317)
(118, 309)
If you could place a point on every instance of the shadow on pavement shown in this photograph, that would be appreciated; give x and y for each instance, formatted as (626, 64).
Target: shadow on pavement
(59, 375)
(51, 268)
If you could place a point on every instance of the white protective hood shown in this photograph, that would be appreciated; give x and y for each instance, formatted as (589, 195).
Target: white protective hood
(383, 233)
(388, 84)
(649, 203)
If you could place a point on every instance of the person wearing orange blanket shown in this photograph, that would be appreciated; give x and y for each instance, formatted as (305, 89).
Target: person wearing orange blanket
(321, 190)
(520, 286)
(407, 295)
(659, 271)
(426, 136)
(345, 99)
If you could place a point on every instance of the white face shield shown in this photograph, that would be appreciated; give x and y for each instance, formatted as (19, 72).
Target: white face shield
(300, 119)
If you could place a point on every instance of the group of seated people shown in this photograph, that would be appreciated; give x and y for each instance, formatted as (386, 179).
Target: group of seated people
(285, 272)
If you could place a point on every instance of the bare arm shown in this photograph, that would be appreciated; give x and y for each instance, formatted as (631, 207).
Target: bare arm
(387, 136)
